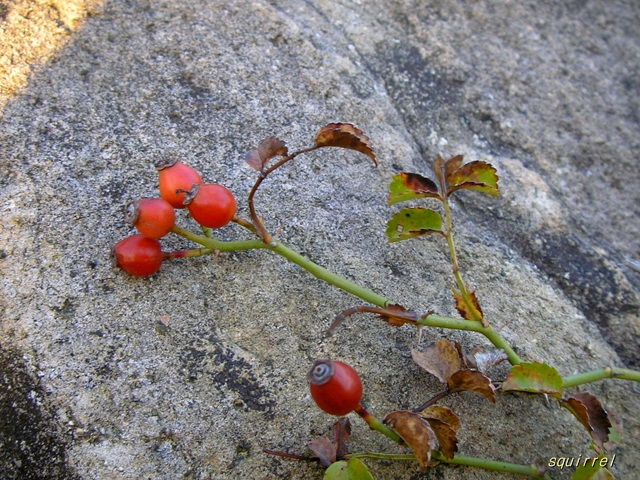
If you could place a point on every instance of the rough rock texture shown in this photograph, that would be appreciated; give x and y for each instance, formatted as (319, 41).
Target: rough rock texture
(192, 372)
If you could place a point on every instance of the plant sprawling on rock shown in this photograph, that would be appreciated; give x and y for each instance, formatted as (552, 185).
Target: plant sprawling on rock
(429, 430)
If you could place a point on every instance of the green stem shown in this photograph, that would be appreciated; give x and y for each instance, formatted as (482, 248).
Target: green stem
(600, 374)
(494, 465)
(466, 297)
(377, 425)
(471, 326)
(350, 287)
(330, 277)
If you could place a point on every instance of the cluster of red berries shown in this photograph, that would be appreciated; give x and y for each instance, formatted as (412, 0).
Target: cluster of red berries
(181, 186)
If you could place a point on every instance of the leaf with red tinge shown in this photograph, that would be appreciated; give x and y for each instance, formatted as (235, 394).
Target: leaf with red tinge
(466, 311)
(589, 411)
(408, 186)
(267, 149)
(442, 413)
(354, 469)
(345, 135)
(413, 222)
(480, 176)
(534, 377)
(446, 435)
(324, 449)
(440, 359)
(415, 431)
(451, 166)
(474, 381)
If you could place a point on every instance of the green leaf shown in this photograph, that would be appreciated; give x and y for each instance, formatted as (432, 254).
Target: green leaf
(413, 222)
(480, 176)
(354, 469)
(407, 186)
(534, 377)
(594, 469)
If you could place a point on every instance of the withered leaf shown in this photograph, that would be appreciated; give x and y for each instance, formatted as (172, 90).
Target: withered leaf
(442, 413)
(480, 176)
(589, 411)
(474, 381)
(440, 359)
(446, 435)
(324, 449)
(438, 168)
(534, 377)
(487, 360)
(404, 315)
(345, 135)
(451, 166)
(415, 431)
(341, 434)
(413, 222)
(467, 312)
(267, 149)
(407, 186)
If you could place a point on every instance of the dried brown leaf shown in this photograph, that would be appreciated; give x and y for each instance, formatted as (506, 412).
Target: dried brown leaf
(341, 434)
(345, 135)
(487, 360)
(415, 431)
(440, 359)
(590, 412)
(399, 320)
(442, 413)
(474, 381)
(267, 149)
(446, 435)
(324, 449)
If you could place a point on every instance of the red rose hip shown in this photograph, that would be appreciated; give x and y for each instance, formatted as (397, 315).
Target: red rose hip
(211, 205)
(153, 217)
(138, 255)
(335, 387)
(176, 179)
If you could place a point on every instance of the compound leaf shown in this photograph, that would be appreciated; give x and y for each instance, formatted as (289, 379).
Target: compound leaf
(480, 176)
(415, 431)
(345, 135)
(413, 222)
(267, 149)
(354, 469)
(589, 411)
(474, 381)
(440, 359)
(407, 186)
(534, 377)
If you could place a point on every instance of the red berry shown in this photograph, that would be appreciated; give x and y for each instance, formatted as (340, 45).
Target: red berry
(335, 387)
(211, 205)
(153, 217)
(138, 255)
(176, 179)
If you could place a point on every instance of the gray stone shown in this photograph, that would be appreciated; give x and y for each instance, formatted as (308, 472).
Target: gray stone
(193, 372)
